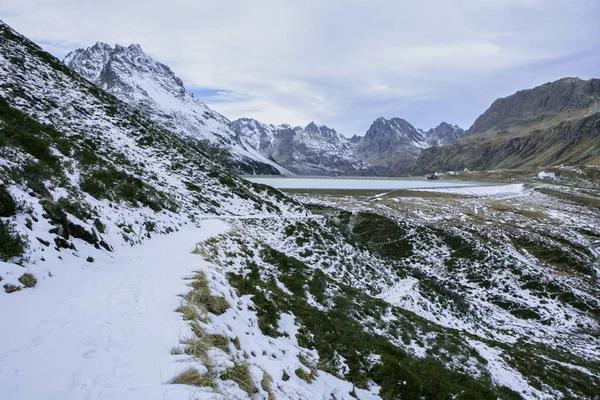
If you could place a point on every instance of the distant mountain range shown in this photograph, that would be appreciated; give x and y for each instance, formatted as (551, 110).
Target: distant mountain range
(310, 150)
(390, 145)
(551, 124)
(246, 145)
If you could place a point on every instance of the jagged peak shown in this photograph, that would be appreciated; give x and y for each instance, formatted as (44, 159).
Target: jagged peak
(102, 45)
(446, 125)
(312, 126)
(396, 120)
(136, 48)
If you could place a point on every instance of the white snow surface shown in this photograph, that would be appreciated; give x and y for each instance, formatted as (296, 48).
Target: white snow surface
(104, 331)
(107, 330)
(480, 191)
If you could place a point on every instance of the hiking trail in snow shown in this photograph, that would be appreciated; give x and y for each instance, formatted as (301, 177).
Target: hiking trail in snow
(105, 330)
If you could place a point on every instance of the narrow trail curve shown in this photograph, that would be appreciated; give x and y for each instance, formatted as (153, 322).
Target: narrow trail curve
(103, 331)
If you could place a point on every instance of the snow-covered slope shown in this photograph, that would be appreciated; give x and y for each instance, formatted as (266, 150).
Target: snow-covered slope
(390, 145)
(310, 150)
(82, 173)
(153, 88)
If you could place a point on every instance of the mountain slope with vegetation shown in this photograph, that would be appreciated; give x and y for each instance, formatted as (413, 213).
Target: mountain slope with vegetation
(420, 297)
(555, 123)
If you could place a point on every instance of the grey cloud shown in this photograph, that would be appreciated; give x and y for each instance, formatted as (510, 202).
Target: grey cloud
(342, 63)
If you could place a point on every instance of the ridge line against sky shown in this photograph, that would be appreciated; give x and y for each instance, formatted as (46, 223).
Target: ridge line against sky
(338, 63)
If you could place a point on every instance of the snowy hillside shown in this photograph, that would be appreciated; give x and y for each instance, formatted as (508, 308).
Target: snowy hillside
(413, 298)
(310, 150)
(81, 173)
(151, 87)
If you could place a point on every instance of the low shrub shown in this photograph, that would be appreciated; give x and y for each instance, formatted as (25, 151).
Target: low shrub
(8, 206)
(12, 244)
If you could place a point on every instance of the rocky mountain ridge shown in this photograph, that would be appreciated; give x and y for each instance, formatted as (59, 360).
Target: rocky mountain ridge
(310, 150)
(564, 99)
(387, 146)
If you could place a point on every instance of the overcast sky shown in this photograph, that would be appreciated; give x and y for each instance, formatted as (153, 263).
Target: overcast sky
(339, 63)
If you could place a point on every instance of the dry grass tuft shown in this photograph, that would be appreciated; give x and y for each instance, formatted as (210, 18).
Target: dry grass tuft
(200, 296)
(28, 280)
(240, 374)
(189, 312)
(266, 382)
(308, 377)
(203, 341)
(193, 378)
(236, 343)
(11, 288)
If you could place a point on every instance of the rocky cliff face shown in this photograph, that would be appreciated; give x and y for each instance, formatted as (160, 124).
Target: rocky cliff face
(310, 150)
(390, 145)
(152, 88)
(551, 124)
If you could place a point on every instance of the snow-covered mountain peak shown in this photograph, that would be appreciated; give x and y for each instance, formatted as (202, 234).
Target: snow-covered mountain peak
(135, 48)
(312, 127)
(384, 133)
(130, 72)
(153, 88)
